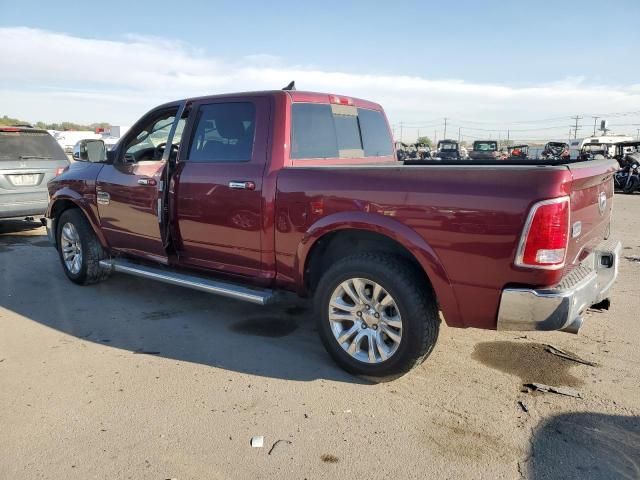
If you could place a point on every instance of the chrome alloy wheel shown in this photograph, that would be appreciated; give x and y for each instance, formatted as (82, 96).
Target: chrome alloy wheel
(365, 320)
(71, 248)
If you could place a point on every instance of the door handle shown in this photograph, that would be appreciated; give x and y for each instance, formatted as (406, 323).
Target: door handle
(147, 181)
(242, 185)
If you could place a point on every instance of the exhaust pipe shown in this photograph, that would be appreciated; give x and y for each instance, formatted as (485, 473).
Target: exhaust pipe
(574, 326)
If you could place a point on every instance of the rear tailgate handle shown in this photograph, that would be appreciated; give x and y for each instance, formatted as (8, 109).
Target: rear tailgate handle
(147, 181)
(242, 185)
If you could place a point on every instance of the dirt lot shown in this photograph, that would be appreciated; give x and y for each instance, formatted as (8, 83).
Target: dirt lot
(135, 379)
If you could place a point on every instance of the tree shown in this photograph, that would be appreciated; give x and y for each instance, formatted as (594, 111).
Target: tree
(6, 120)
(425, 141)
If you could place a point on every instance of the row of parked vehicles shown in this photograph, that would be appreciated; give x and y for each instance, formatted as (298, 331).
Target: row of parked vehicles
(482, 150)
(249, 194)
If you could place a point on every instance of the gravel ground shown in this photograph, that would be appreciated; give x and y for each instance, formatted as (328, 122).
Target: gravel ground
(136, 379)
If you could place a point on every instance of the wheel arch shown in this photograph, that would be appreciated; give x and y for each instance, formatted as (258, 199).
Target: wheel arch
(336, 236)
(66, 199)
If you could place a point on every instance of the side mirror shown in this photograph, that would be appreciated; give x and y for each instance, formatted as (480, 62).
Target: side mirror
(90, 150)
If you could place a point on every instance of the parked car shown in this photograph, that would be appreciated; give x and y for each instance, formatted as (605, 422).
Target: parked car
(29, 158)
(252, 193)
(484, 150)
(520, 152)
(623, 150)
(595, 151)
(401, 151)
(555, 150)
(424, 151)
(448, 150)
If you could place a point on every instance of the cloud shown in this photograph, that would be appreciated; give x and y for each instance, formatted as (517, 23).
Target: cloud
(55, 76)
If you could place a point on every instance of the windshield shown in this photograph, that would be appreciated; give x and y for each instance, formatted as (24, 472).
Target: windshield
(25, 145)
(448, 146)
(485, 146)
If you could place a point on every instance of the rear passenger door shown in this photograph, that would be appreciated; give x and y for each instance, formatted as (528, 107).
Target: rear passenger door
(218, 199)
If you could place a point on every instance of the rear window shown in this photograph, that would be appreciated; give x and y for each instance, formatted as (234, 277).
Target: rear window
(485, 146)
(338, 131)
(25, 145)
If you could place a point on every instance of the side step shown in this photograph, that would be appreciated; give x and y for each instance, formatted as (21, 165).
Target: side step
(225, 289)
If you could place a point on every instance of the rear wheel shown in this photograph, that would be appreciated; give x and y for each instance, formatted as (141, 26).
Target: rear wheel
(79, 249)
(376, 315)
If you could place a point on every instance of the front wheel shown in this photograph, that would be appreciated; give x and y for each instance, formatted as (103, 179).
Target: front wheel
(79, 249)
(376, 315)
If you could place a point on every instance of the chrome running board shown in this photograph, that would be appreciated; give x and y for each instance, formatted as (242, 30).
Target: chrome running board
(225, 289)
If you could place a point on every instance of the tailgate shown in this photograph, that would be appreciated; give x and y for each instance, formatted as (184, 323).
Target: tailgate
(591, 192)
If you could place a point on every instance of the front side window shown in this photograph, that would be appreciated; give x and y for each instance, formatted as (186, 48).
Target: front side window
(223, 132)
(151, 140)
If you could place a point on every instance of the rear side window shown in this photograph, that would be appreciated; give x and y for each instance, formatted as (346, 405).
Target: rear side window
(338, 131)
(26, 145)
(223, 132)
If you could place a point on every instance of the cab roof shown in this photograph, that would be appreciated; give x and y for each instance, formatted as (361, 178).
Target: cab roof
(295, 95)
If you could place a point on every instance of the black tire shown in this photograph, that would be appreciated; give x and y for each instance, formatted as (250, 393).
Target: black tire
(92, 252)
(632, 186)
(413, 296)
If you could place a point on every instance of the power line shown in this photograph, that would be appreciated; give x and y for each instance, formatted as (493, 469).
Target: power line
(577, 127)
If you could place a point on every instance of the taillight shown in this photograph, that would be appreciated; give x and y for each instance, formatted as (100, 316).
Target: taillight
(60, 171)
(545, 236)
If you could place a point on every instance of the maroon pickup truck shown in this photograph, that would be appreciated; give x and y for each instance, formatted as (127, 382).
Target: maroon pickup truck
(244, 195)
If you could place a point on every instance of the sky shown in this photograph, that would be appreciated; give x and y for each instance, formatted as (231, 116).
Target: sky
(486, 66)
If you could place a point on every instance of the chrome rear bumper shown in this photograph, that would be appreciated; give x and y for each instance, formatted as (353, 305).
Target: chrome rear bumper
(561, 307)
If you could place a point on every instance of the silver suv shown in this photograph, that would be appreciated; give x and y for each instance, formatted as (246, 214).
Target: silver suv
(29, 158)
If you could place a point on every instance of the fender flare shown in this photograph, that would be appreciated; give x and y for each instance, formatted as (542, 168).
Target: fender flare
(86, 206)
(393, 229)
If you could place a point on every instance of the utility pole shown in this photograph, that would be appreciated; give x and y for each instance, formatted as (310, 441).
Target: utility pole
(400, 131)
(638, 130)
(435, 137)
(459, 134)
(569, 133)
(445, 127)
(595, 122)
(577, 127)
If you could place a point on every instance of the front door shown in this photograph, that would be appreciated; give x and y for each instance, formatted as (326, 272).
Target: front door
(218, 186)
(129, 191)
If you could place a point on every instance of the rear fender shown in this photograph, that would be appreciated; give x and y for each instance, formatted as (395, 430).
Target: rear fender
(391, 228)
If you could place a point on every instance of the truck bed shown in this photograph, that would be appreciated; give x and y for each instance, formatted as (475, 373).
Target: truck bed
(470, 214)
